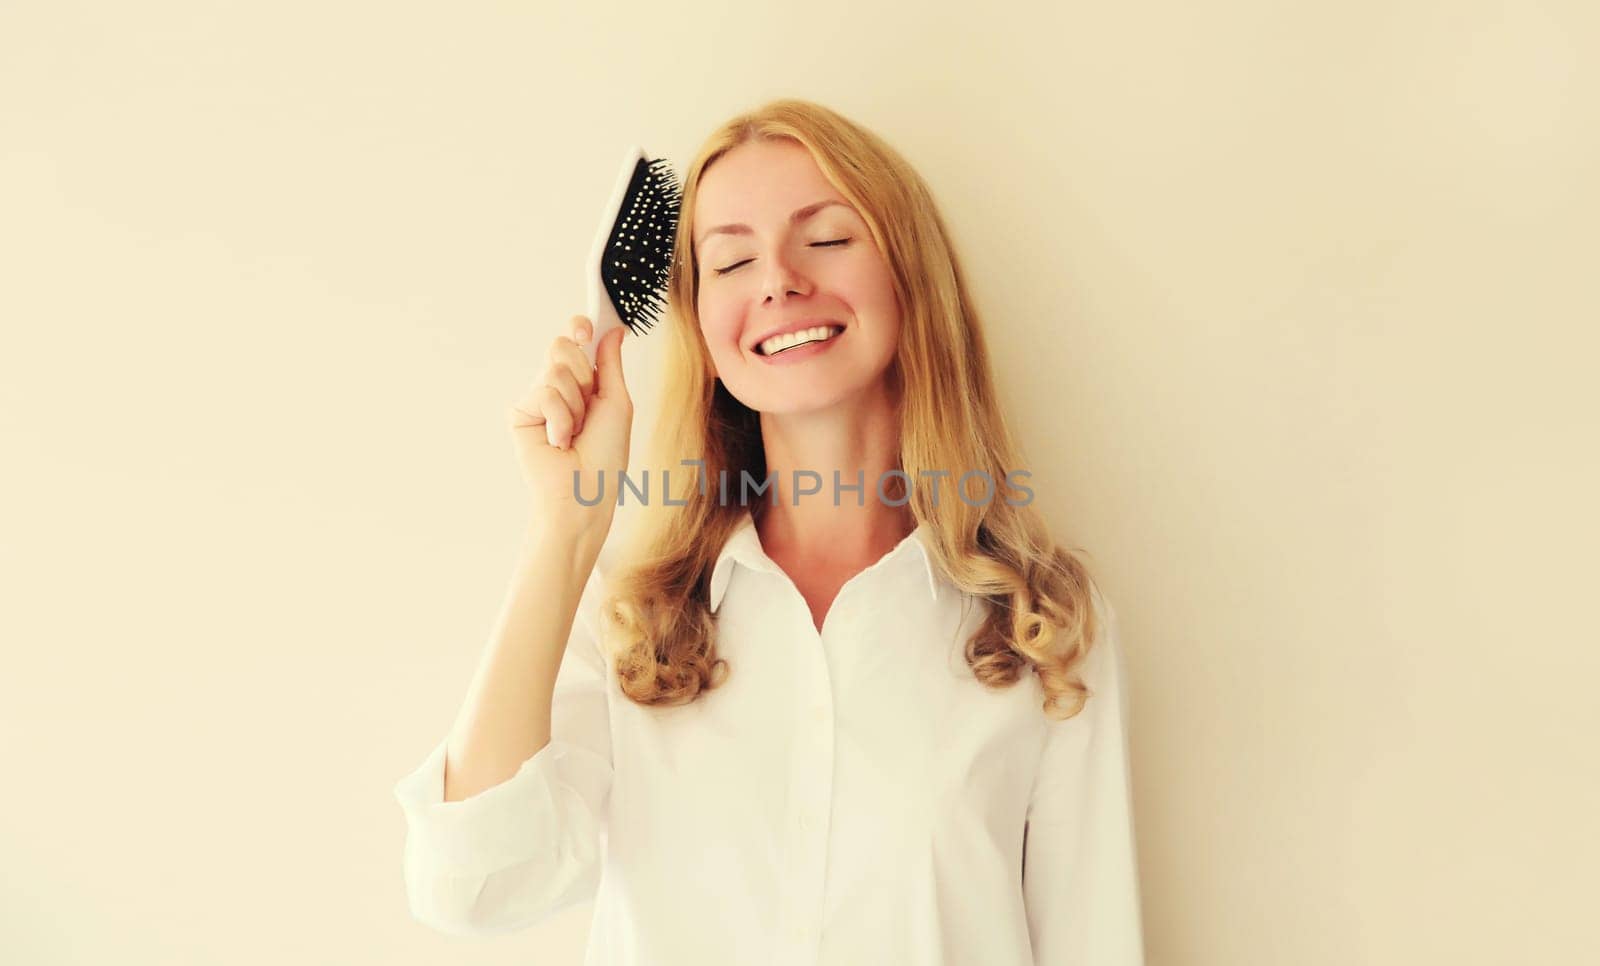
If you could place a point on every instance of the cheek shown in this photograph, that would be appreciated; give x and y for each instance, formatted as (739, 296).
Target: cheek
(872, 290)
(717, 323)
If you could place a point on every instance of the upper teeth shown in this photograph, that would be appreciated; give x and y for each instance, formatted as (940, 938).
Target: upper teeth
(780, 342)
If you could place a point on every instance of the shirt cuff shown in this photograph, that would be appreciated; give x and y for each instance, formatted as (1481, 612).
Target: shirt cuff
(533, 814)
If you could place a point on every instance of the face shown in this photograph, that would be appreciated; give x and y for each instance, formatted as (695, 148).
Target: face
(771, 260)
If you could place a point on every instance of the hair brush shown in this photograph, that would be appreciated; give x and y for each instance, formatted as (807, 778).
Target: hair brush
(631, 260)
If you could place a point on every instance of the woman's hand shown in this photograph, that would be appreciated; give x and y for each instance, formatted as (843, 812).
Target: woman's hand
(576, 420)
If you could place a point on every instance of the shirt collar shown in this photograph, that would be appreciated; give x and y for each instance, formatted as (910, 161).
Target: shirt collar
(744, 546)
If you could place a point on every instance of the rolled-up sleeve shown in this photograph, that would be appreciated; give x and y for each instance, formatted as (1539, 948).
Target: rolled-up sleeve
(514, 854)
(1080, 866)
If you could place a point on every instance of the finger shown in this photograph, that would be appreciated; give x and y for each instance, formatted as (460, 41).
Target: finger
(565, 352)
(608, 366)
(523, 418)
(557, 418)
(581, 329)
(560, 378)
(525, 412)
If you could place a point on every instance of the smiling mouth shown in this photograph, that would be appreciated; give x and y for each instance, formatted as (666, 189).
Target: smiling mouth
(779, 344)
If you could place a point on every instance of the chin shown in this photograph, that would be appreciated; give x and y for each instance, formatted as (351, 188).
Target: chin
(798, 400)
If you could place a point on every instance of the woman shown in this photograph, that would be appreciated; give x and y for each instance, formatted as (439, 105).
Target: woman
(867, 715)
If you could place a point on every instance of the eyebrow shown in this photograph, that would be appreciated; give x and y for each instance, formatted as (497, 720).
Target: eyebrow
(799, 215)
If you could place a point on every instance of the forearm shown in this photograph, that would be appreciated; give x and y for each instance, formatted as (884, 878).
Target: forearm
(506, 716)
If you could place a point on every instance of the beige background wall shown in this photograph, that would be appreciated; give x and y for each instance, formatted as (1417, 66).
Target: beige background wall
(1289, 302)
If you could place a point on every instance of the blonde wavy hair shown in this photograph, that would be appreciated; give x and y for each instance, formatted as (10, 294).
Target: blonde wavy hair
(658, 619)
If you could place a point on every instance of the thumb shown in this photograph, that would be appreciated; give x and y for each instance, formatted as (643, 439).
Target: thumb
(608, 366)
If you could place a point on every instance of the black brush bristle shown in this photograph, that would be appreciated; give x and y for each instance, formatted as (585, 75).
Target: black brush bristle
(638, 256)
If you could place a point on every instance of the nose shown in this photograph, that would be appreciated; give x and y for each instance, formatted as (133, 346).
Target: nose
(781, 279)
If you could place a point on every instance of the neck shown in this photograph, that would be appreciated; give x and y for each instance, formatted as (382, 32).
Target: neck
(861, 442)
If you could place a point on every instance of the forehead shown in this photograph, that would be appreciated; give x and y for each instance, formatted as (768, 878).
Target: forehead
(759, 183)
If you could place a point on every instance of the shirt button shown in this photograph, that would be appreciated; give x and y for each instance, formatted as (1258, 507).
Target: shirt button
(805, 824)
(820, 712)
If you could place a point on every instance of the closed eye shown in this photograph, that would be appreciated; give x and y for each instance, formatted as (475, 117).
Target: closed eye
(824, 244)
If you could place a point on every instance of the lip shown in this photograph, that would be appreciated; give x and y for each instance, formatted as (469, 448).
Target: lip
(788, 328)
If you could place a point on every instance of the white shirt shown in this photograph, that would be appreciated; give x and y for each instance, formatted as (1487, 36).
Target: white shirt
(854, 796)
